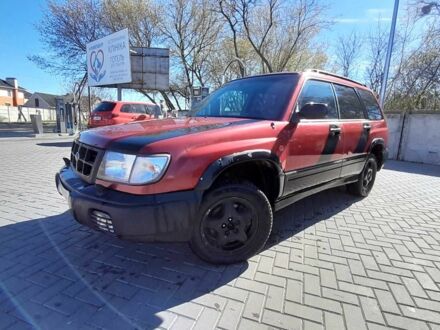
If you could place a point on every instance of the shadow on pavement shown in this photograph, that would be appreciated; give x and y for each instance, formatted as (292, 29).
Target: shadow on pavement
(56, 144)
(16, 133)
(307, 212)
(55, 273)
(22, 130)
(416, 168)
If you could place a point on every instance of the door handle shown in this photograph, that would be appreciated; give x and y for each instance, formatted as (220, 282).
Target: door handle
(335, 130)
(367, 127)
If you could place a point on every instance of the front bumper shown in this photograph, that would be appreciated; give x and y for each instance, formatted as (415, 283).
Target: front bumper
(161, 217)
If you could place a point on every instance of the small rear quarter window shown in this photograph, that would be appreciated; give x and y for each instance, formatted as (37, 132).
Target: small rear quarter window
(370, 102)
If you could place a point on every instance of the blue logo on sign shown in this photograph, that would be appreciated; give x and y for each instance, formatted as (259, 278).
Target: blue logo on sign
(96, 64)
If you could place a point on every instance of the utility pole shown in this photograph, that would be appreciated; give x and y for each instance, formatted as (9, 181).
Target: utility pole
(386, 69)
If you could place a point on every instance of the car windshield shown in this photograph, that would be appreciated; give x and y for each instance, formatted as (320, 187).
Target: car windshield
(263, 97)
(104, 106)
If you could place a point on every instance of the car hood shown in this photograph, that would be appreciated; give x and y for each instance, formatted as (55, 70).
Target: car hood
(132, 137)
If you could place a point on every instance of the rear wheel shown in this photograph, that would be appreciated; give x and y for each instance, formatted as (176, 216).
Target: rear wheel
(366, 179)
(233, 224)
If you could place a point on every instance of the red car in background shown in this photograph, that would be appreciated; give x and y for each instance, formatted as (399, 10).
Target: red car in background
(119, 112)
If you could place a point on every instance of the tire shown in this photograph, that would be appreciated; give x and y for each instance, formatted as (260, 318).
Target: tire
(365, 183)
(233, 224)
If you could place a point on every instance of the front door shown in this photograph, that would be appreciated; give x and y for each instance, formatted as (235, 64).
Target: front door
(315, 148)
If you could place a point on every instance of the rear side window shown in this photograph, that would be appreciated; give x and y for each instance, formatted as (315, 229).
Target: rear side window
(350, 107)
(370, 102)
(104, 106)
(126, 108)
(319, 92)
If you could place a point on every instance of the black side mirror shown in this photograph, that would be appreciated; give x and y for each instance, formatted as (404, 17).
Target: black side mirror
(313, 110)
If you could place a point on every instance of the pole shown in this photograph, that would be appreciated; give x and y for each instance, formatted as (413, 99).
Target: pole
(119, 93)
(386, 68)
(89, 99)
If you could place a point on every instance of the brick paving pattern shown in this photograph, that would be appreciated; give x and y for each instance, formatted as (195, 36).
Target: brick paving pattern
(333, 261)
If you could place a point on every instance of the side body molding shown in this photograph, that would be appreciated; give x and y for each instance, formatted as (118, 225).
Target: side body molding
(220, 165)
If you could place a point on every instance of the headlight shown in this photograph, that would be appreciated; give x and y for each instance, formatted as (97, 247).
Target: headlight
(132, 169)
(149, 168)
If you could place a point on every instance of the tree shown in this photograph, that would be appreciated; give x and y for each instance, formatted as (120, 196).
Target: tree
(418, 85)
(376, 42)
(278, 31)
(204, 36)
(139, 16)
(65, 30)
(348, 51)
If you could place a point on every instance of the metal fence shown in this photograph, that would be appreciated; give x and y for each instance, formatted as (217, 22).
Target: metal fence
(9, 114)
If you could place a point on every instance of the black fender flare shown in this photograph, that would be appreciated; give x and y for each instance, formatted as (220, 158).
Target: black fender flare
(375, 142)
(217, 167)
(381, 142)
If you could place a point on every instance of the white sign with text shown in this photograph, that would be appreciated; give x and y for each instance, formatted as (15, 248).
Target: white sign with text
(108, 60)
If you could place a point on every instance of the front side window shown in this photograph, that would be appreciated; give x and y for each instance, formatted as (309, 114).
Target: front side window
(264, 97)
(153, 110)
(370, 102)
(315, 91)
(350, 106)
(138, 108)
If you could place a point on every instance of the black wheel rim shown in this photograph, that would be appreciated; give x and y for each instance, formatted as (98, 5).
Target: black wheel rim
(368, 177)
(229, 224)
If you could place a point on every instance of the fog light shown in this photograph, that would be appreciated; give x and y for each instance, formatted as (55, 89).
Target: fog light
(102, 221)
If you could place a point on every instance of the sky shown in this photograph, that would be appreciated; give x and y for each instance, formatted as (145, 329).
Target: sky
(19, 38)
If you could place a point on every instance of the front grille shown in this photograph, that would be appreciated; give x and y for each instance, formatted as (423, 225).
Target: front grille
(84, 159)
(102, 221)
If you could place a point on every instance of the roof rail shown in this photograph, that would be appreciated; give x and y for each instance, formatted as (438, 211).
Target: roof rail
(334, 75)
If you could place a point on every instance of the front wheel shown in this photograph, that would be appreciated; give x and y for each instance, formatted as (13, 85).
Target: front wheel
(233, 224)
(366, 179)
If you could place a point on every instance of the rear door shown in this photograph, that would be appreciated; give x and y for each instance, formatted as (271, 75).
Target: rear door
(315, 148)
(125, 114)
(355, 128)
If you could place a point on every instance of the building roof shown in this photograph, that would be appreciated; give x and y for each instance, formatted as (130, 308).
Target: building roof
(27, 94)
(5, 84)
(51, 98)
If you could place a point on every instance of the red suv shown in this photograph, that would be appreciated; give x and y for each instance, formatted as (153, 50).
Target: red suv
(214, 179)
(117, 112)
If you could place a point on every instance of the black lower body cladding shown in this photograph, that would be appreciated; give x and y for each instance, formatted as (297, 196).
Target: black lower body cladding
(161, 217)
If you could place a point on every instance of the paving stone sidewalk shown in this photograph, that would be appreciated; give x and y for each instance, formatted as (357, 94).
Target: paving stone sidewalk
(333, 261)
